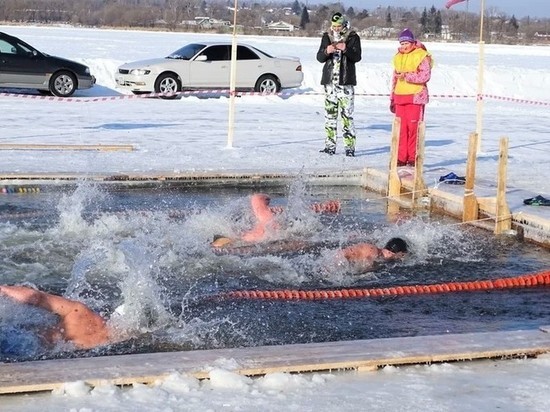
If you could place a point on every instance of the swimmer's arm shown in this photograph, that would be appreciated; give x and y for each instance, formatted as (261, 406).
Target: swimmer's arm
(22, 294)
(55, 304)
(78, 323)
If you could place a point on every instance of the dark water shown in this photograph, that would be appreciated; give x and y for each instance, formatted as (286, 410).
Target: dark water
(148, 250)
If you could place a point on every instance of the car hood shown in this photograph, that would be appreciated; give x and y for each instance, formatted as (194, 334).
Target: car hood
(140, 64)
(60, 61)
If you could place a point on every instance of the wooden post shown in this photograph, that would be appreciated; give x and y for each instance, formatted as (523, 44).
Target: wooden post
(470, 206)
(232, 81)
(503, 218)
(394, 183)
(480, 70)
(419, 188)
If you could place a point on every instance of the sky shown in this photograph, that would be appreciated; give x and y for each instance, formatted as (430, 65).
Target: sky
(533, 8)
(284, 134)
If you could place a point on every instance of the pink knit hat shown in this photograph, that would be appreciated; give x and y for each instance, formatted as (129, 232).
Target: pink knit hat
(406, 35)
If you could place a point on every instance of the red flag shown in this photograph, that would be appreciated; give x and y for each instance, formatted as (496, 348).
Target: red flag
(451, 3)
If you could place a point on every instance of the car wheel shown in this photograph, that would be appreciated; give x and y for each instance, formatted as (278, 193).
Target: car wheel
(63, 84)
(267, 84)
(168, 84)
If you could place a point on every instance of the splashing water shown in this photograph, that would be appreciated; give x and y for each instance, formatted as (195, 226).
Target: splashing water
(142, 307)
(71, 209)
(151, 259)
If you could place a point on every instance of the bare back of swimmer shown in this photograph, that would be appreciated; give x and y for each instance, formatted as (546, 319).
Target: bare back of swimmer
(77, 323)
(366, 254)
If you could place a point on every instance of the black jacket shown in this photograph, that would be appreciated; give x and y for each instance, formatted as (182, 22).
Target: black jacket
(347, 67)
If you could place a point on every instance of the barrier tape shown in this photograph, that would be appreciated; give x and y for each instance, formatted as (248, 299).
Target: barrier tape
(510, 99)
(532, 280)
(227, 92)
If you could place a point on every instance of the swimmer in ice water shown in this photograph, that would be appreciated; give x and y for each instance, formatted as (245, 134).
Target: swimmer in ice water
(77, 323)
(265, 222)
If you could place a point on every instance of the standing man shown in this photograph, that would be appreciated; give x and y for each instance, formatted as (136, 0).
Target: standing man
(412, 69)
(340, 49)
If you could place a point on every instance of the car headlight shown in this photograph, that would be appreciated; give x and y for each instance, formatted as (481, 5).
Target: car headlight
(87, 70)
(139, 72)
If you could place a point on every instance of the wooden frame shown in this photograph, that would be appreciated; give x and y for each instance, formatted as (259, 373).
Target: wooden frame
(98, 147)
(359, 355)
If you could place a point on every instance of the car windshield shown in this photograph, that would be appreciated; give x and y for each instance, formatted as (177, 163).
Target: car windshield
(187, 52)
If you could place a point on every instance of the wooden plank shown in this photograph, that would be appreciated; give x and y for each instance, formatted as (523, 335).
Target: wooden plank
(446, 202)
(362, 354)
(419, 188)
(470, 206)
(338, 177)
(487, 205)
(503, 218)
(97, 147)
(394, 182)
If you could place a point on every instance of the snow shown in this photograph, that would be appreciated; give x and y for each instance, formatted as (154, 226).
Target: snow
(284, 133)
(511, 385)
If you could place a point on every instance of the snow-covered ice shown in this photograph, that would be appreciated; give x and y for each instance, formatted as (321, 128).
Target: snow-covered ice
(275, 134)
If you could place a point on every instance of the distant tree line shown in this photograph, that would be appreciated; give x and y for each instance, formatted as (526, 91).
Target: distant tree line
(254, 15)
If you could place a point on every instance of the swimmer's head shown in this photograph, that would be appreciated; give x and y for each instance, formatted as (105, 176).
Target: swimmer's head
(397, 245)
(220, 241)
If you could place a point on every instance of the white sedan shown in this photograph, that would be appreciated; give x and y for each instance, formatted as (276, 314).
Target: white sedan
(208, 66)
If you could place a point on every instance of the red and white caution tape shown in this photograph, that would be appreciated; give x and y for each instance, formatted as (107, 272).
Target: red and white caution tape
(227, 92)
(511, 99)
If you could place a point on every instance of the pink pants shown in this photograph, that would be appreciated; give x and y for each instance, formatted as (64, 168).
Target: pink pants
(410, 115)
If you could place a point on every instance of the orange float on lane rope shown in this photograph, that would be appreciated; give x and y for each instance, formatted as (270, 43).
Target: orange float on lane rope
(529, 280)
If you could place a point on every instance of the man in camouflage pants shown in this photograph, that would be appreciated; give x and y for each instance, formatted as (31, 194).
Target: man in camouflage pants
(339, 51)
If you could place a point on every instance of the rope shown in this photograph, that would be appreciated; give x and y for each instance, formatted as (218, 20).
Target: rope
(227, 92)
(531, 280)
(329, 206)
(18, 189)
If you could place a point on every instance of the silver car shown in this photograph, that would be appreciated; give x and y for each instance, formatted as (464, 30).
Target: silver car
(208, 66)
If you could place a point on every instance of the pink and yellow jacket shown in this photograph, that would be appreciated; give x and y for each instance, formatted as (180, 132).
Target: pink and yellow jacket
(417, 66)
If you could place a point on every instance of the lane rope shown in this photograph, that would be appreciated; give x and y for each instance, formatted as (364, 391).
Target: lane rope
(328, 206)
(523, 281)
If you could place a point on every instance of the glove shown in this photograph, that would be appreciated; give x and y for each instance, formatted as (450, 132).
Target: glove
(392, 107)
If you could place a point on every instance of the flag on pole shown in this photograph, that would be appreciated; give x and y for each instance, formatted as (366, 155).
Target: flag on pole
(451, 3)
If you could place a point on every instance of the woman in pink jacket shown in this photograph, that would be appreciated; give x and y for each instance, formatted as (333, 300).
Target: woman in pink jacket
(412, 70)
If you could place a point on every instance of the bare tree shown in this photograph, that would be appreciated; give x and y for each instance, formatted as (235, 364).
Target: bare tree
(253, 14)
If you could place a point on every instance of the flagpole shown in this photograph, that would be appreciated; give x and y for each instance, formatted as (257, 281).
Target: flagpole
(232, 81)
(481, 59)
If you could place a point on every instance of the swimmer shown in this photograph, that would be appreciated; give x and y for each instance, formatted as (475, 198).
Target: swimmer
(265, 223)
(77, 324)
(366, 254)
(264, 218)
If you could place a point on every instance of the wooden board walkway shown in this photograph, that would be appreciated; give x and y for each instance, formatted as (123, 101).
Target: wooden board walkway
(97, 147)
(361, 355)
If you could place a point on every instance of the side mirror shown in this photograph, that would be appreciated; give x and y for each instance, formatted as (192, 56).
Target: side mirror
(201, 58)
